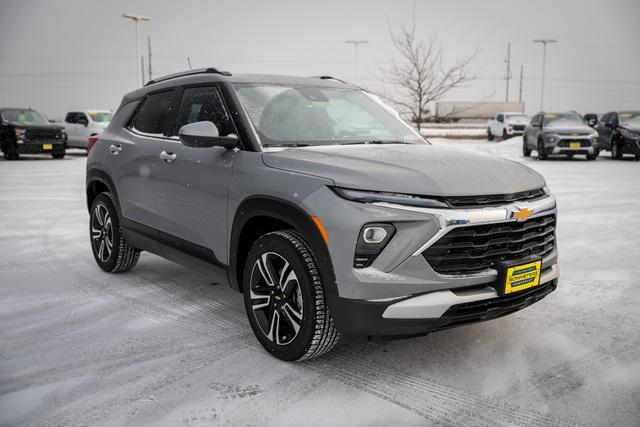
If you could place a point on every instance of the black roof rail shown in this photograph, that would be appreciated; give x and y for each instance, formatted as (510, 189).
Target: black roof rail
(329, 78)
(209, 70)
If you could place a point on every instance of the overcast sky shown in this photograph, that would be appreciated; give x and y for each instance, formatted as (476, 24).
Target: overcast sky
(62, 55)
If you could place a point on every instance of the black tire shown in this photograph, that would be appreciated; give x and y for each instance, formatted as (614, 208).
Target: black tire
(104, 227)
(504, 135)
(10, 152)
(490, 136)
(526, 152)
(616, 152)
(542, 154)
(594, 155)
(58, 154)
(276, 309)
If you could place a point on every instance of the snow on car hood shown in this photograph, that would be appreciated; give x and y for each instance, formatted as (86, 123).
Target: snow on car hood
(413, 169)
(571, 129)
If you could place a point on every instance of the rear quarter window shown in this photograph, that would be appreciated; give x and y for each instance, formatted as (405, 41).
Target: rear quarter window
(152, 116)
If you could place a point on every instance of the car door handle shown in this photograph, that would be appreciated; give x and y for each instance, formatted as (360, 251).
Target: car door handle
(168, 157)
(115, 149)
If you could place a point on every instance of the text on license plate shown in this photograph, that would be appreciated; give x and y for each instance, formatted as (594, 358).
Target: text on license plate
(47, 146)
(574, 145)
(522, 277)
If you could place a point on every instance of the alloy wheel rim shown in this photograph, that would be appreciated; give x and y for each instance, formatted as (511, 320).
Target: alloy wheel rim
(102, 232)
(276, 298)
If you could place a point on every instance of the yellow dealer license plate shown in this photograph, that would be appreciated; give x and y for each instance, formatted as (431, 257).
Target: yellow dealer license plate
(574, 145)
(47, 146)
(522, 277)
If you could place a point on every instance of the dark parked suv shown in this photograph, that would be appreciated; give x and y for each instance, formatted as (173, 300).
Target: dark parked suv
(26, 131)
(317, 202)
(619, 132)
(563, 134)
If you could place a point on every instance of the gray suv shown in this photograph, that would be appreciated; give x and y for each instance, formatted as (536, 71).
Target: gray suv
(564, 134)
(317, 202)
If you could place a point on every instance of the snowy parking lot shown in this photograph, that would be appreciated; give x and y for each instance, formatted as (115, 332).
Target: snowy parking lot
(161, 345)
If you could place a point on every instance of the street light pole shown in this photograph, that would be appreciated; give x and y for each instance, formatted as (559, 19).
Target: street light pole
(356, 43)
(544, 65)
(136, 19)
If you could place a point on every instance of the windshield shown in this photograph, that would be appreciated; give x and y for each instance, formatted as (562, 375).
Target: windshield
(563, 119)
(302, 116)
(28, 117)
(630, 119)
(100, 117)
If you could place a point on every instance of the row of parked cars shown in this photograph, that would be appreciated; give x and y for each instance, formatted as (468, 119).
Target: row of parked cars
(27, 131)
(569, 133)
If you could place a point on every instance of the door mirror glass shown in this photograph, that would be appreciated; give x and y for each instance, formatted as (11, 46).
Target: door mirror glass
(205, 134)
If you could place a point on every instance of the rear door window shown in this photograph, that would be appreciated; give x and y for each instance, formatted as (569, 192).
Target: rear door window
(154, 113)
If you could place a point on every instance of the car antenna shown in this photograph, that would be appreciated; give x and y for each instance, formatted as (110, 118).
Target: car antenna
(189, 62)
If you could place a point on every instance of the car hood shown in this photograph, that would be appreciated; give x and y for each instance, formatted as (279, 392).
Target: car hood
(569, 129)
(517, 121)
(418, 169)
(32, 127)
(630, 128)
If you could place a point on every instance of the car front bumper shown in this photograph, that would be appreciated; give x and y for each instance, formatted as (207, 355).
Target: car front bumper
(400, 293)
(40, 147)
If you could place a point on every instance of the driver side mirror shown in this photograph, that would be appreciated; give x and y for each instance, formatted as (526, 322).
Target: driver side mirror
(591, 119)
(205, 134)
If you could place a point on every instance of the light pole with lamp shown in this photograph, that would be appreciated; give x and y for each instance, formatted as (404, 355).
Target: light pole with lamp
(544, 65)
(136, 19)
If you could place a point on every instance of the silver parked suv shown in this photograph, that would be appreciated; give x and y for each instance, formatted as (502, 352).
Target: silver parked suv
(312, 198)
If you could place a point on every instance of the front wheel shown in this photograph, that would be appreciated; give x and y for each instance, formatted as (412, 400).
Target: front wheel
(284, 298)
(542, 154)
(489, 134)
(10, 152)
(526, 152)
(594, 155)
(616, 152)
(112, 253)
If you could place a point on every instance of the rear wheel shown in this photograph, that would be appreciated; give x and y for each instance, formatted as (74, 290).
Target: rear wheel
(490, 136)
(504, 134)
(112, 253)
(284, 298)
(542, 154)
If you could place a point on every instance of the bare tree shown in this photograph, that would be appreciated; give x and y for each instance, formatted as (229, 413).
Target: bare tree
(419, 75)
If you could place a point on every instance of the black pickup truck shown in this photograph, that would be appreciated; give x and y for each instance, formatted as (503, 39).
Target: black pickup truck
(26, 131)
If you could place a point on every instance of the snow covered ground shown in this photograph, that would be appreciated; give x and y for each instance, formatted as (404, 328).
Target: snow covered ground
(162, 346)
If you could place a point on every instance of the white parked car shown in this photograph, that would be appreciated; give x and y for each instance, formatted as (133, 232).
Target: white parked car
(507, 125)
(80, 125)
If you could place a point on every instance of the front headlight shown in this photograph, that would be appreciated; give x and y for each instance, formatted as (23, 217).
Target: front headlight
(550, 138)
(629, 133)
(593, 135)
(383, 197)
(20, 133)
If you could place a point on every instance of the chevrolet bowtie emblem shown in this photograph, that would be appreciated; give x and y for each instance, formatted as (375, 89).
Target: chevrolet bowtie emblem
(523, 214)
